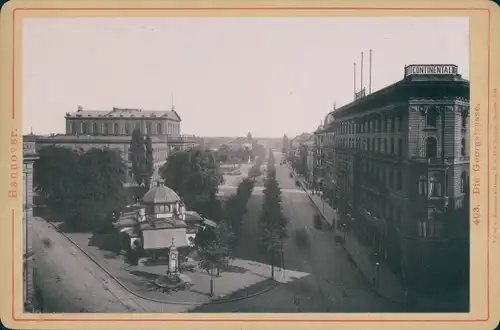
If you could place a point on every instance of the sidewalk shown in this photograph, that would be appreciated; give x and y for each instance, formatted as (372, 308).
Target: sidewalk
(389, 285)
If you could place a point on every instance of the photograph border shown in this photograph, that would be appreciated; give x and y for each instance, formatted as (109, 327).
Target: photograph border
(16, 9)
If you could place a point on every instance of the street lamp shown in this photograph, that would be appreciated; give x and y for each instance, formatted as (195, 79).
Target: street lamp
(377, 264)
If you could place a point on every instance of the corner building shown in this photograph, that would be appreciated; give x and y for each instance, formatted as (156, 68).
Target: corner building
(401, 173)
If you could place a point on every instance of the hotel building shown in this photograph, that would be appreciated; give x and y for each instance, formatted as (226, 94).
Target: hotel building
(396, 165)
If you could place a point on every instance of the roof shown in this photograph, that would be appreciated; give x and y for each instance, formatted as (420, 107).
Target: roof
(124, 113)
(163, 223)
(68, 138)
(160, 194)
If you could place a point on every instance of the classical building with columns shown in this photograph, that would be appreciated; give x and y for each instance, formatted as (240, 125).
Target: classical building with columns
(29, 157)
(398, 162)
(87, 129)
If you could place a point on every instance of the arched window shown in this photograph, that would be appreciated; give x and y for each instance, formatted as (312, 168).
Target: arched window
(431, 117)
(422, 185)
(385, 146)
(116, 128)
(94, 128)
(431, 148)
(74, 130)
(84, 128)
(462, 149)
(159, 129)
(463, 182)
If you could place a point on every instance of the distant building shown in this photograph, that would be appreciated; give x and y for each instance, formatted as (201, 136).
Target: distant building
(123, 121)
(398, 164)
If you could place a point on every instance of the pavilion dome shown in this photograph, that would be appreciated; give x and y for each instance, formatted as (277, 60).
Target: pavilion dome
(161, 194)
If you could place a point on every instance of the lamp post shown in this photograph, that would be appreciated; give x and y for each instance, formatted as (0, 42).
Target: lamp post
(377, 264)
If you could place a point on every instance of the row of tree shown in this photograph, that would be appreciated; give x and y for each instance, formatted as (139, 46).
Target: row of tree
(215, 246)
(141, 156)
(84, 189)
(255, 171)
(272, 222)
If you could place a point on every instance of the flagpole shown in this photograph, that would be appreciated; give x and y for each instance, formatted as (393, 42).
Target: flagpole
(361, 88)
(354, 79)
(370, 77)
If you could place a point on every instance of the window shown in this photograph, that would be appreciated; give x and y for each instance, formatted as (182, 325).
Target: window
(127, 128)
(462, 149)
(463, 182)
(106, 128)
(435, 186)
(431, 118)
(369, 145)
(385, 146)
(398, 123)
(373, 144)
(392, 146)
(390, 177)
(148, 128)
(399, 180)
(116, 129)
(84, 128)
(73, 128)
(379, 145)
(431, 148)
(94, 128)
(159, 129)
(422, 185)
(464, 120)
(137, 126)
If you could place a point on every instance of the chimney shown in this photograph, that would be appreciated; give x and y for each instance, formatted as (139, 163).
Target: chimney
(80, 108)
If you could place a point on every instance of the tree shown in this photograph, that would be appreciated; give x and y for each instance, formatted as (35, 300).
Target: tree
(214, 249)
(194, 175)
(272, 221)
(149, 162)
(138, 156)
(223, 153)
(85, 189)
(284, 148)
(54, 177)
(100, 196)
(272, 246)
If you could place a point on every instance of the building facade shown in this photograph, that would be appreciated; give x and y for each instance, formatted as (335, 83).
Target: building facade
(123, 121)
(29, 157)
(400, 173)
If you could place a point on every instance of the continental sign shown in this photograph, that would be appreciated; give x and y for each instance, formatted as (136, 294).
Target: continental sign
(447, 69)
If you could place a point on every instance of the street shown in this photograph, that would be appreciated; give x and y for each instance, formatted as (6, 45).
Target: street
(334, 285)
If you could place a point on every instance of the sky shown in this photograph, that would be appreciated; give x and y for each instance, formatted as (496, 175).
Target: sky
(228, 76)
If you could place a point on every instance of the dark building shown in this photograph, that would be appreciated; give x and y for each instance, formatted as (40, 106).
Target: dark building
(398, 167)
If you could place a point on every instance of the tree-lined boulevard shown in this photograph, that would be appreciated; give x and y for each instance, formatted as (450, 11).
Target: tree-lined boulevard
(265, 218)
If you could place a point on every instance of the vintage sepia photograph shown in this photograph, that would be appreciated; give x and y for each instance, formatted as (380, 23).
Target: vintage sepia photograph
(243, 165)
(205, 163)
